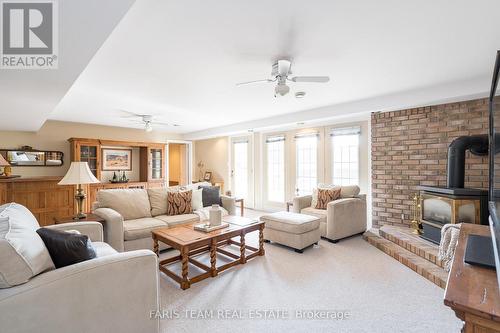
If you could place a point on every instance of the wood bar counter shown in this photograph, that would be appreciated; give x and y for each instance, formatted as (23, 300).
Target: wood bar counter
(472, 291)
(41, 195)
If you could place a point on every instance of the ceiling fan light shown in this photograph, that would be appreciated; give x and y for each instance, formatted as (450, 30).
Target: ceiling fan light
(148, 127)
(281, 89)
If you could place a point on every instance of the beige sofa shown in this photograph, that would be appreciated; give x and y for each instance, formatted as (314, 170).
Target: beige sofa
(131, 215)
(90, 296)
(342, 218)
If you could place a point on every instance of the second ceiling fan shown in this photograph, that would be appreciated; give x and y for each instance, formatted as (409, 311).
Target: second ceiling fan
(281, 73)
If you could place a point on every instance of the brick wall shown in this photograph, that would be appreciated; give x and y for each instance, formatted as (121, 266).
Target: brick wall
(409, 148)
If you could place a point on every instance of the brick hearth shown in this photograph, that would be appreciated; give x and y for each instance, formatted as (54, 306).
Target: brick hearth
(409, 249)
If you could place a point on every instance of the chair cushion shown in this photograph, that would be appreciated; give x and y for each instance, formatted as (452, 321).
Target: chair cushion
(319, 213)
(141, 228)
(349, 191)
(293, 223)
(103, 249)
(173, 220)
(325, 195)
(158, 201)
(130, 203)
(22, 252)
(67, 248)
(179, 203)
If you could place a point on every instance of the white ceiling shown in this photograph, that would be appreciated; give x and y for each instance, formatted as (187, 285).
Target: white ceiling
(27, 97)
(180, 60)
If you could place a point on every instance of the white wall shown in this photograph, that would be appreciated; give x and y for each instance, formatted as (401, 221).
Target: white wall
(214, 153)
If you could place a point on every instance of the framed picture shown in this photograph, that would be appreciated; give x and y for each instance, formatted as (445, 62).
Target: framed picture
(208, 176)
(116, 159)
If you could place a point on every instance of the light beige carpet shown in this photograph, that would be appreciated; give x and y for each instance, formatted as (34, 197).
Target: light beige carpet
(378, 294)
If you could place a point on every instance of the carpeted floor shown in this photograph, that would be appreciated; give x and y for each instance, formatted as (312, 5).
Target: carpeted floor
(289, 292)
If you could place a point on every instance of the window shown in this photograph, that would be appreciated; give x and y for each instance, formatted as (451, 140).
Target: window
(345, 157)
(306, 163)
(241, 169)
(275, 150)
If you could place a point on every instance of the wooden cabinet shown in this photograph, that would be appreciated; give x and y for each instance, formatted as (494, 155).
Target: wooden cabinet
(152, 163)
(41, 195)
(473, 291)
(152, 156)
(87, 150)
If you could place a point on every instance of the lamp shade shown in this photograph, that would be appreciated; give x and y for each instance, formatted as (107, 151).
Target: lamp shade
(3, 161)
(79, 173)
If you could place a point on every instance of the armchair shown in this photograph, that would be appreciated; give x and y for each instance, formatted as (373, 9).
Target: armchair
(342, 218)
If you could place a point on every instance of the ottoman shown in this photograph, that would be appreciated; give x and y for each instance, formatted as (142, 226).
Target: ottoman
(297, 231)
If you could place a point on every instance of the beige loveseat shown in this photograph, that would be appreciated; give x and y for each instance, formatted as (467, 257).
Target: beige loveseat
(131, 215)
(115, 292)
(342, 218)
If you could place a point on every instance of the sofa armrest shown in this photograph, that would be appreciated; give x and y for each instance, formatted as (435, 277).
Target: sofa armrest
(92, 229)
(114, 293)
(113, 227)
(301, 202)
(345, 217)
(229, 204)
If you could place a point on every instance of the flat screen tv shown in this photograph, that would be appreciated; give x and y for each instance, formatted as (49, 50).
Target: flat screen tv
(494, 164)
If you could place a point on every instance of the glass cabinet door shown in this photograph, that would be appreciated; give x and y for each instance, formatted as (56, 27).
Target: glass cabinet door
(156, 163)
(89, 154)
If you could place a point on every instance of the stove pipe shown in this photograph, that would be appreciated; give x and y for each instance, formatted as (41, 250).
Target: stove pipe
(476, 144)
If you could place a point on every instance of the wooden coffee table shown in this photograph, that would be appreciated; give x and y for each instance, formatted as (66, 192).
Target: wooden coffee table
(191, 243)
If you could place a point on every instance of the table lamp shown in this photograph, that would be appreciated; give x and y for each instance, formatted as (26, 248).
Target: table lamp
(79, 174)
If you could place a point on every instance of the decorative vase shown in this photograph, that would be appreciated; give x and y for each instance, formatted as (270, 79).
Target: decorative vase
(215, 215)
(7, 170)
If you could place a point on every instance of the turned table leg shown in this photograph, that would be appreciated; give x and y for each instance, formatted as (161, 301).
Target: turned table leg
(156, 247)
(184, 261)
(243, 258)
(261, 241)
(213, 255)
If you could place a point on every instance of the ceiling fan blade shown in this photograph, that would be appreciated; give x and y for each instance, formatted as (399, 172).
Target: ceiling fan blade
(318, 79)
(255, 81)
(160, 123)
(284, 67)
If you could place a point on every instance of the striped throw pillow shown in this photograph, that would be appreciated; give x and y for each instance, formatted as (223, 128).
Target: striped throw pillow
(179, 203)
(325, 195)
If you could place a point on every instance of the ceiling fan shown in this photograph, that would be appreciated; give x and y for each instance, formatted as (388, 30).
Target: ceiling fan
(146, 119)
(281, 72)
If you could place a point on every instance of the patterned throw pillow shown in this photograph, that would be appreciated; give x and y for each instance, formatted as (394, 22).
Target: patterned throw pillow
(179, 203)
(325, 195)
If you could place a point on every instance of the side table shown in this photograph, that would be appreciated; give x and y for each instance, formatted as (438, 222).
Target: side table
(90, 218)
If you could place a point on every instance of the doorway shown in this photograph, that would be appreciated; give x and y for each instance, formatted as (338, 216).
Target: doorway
(178, 164)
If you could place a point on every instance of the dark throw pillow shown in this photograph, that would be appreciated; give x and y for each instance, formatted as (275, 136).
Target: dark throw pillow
(66, 248)
(210, 196)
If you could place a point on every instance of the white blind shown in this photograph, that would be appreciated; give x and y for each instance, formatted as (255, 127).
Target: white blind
(307, 135)
(355, 130)
(275, 138)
